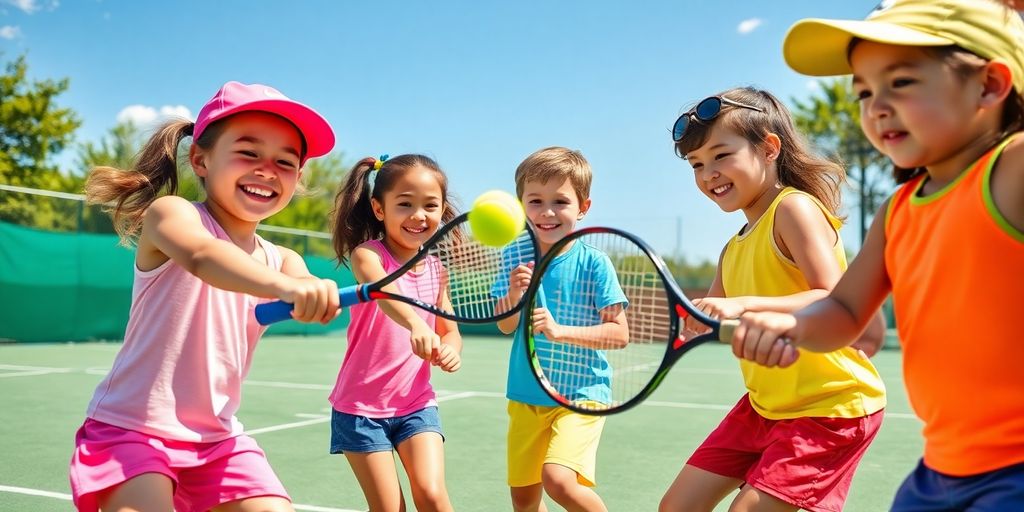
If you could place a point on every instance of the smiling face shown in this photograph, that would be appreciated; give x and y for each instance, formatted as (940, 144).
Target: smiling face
(914, 108)
(731, 171)
(410, 210)
(553, 209)
(252, 169)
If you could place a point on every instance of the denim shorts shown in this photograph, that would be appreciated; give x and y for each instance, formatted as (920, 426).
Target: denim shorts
(927, 490)
(359, 434)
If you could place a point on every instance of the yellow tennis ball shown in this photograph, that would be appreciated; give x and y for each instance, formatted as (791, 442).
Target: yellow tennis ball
(496, 218)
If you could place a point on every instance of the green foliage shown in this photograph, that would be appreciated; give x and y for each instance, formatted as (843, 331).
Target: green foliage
(311, 207)
(118, 149)
(831, 120)
(691, 276)
(32, 130)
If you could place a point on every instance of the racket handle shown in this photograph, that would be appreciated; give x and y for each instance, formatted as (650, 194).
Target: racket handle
(279, 310)
(726, 329)
(273, 312)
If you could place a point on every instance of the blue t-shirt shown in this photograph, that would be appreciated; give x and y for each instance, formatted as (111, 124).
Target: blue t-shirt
(581, 273)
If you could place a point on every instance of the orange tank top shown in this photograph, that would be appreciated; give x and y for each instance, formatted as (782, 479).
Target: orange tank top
(957, 272)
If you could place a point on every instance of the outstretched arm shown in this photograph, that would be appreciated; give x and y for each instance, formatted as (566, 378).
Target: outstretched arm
(173, 229)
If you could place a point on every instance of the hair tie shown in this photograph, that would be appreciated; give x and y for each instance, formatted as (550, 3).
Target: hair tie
(371, 179)
(378, 163)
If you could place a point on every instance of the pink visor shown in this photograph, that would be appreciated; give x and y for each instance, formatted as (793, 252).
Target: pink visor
(235, 97)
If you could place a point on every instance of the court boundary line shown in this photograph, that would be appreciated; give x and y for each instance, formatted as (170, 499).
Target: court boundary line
(67, 497)
(327, 417)
(454, 395)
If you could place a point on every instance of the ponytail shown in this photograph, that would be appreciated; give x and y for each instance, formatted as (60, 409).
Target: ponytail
(127, 194)
(352, 217)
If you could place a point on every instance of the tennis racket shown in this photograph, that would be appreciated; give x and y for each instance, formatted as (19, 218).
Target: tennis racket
(451, 261)
(600, 366)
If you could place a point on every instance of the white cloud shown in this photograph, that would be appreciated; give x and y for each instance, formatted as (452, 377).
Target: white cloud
(31, 6)
(10, 32)
(813, 85)
(749, 25)
(147, 117)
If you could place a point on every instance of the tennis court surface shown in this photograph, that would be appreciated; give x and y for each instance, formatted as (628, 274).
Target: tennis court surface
(44, 390)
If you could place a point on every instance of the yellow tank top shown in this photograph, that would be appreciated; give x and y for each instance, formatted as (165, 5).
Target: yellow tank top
(836, 384)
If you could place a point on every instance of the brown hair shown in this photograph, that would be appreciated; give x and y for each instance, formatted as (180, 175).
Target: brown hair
(127, 194)
(797, 165)
(556, 162)
(352, 218)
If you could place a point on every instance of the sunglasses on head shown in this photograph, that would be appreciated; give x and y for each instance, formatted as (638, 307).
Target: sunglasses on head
(706, 110)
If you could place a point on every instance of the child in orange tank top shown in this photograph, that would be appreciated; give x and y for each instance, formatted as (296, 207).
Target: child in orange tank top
(940, 85)
(794, 440)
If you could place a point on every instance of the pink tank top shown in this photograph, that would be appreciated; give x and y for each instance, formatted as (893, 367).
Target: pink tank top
(380, 376)
(187, 347)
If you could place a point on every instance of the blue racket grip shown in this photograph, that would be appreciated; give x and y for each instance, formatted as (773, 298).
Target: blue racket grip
(279, 310)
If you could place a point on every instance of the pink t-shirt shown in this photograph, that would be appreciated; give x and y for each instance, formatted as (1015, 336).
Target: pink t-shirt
(187, 347)
(381, 377)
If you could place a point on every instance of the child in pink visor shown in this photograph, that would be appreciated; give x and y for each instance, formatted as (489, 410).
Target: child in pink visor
(161, 431)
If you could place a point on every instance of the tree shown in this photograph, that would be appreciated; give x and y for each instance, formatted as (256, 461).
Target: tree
(32, 130)
(832, 121)
(117, 149)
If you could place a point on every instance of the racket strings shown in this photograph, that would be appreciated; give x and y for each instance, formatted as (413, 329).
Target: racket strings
(467, 270)
(599, 372)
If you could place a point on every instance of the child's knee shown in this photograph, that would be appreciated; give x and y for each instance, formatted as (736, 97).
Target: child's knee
(676, 500)
(526, 498)
(430, 496)
(559, 481)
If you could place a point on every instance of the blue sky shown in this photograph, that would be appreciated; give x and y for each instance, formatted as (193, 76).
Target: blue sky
(477, 85)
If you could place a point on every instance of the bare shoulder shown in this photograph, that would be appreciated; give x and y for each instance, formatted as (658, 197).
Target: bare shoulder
(799, 207)
(799, 217)
(171, 205)
(1012, 160)
(1007, 183)
(365, 252)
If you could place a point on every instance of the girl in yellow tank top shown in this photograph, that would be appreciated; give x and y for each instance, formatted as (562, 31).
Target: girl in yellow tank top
(797, 435)
(941, 90)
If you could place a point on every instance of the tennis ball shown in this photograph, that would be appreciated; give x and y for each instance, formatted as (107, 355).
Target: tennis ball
(496, 218)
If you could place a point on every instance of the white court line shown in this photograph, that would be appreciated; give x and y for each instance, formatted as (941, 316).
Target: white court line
(28, 371)
(716, 407)
(686, 405)
(67, 497)
(455, 395)
(35, 492)
(324, 419)
(287, 385)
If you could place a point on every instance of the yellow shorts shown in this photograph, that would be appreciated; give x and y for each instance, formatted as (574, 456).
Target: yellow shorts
(540, 435)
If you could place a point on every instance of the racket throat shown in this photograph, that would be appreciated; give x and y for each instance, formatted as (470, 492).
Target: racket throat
(683, 315)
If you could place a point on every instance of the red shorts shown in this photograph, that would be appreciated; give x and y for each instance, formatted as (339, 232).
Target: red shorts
(807, 462)
(204, 474)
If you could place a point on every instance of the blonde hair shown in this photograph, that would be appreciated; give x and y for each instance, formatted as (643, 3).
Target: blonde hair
(556, 162)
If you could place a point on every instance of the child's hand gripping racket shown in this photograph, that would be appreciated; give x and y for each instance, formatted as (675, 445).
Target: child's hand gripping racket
(465, 269)
(605, 375)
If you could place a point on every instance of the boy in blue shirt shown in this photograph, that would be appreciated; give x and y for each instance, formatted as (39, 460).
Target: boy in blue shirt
(552, 449)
